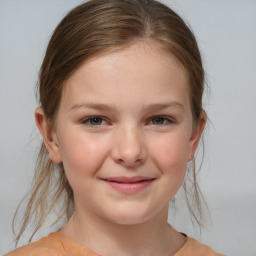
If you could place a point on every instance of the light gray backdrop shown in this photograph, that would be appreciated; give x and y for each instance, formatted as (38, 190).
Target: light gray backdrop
(226, 32)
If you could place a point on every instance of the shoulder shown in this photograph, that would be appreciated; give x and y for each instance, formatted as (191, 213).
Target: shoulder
(193, 247)
(50, 245)
(55, 244)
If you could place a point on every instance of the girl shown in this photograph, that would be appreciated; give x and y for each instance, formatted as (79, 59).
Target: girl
(121, 116)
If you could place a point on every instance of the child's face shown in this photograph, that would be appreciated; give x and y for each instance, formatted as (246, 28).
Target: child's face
(125, 133)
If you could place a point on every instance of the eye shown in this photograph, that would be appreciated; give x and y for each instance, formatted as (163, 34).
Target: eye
(160, 120)
(94, 121)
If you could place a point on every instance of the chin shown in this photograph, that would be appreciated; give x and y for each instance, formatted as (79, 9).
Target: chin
(129, 220)
(131, 216)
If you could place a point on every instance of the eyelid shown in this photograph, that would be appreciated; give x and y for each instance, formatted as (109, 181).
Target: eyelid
(169, 120)
(85, 121)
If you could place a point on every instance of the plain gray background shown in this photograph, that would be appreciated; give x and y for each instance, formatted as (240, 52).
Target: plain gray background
(226, 32)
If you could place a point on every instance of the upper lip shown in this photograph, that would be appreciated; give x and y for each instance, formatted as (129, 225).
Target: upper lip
(124, 179)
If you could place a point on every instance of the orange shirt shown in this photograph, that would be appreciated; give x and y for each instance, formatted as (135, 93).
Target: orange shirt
(58, 244)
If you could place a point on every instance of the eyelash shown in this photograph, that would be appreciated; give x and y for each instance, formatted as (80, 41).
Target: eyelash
(87, 121)
(166, 121)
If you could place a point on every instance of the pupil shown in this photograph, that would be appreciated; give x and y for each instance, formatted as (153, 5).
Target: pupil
(96, 120)
(158, 120)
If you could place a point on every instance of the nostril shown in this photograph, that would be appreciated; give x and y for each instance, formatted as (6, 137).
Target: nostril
(129, 163)
(120, 161)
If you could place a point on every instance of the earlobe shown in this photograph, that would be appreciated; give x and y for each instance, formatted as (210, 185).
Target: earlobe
(49, 135)
(196, 135)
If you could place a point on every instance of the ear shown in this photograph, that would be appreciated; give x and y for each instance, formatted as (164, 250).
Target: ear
(49, 135)
(196, 135)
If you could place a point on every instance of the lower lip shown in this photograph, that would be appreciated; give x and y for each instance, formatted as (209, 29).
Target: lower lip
(129, 188)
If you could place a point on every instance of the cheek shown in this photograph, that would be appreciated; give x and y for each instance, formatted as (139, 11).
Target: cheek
(170, 154)
(82, 156)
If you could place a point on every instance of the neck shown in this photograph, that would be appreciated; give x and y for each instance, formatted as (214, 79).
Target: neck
(152, 237)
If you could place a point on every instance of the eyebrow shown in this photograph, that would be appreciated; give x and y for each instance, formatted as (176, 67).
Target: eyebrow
(162, 106)
(148, 108)
(101, 107)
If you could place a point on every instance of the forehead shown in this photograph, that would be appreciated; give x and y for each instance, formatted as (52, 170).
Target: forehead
(143, 49)
(141, 67)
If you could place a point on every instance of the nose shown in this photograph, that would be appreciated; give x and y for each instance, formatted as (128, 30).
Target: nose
(129, 149)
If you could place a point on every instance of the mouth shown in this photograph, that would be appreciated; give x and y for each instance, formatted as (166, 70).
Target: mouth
(128, 185)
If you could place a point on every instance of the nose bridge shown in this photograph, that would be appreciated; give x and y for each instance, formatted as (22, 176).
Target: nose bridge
(129, 146)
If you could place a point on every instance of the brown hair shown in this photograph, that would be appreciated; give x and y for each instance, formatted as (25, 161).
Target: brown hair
(92, 28)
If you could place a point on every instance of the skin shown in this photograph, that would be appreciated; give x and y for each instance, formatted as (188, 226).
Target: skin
(144, 127)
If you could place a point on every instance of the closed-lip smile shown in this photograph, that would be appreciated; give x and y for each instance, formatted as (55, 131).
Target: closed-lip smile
(128, 185)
